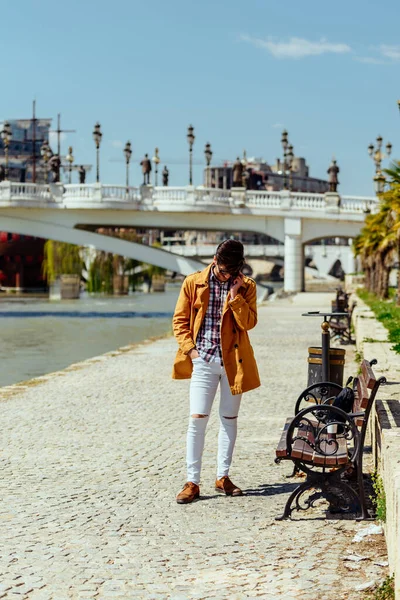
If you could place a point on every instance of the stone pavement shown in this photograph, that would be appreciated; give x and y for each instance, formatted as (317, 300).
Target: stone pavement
(92, 457)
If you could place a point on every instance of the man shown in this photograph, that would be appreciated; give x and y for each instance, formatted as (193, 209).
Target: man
(215, 309)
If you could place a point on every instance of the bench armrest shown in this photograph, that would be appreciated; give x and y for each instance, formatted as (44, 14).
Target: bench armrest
(357, 414)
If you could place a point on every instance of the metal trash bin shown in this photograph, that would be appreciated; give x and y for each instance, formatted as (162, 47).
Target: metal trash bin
(336, 365)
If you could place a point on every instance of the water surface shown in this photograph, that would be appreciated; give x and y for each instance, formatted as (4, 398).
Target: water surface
(41, 336)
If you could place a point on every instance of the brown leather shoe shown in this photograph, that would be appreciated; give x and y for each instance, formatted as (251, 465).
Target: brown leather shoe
(190, 492)
(225, 486)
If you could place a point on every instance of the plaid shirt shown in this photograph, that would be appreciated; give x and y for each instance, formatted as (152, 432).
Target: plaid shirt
(208, 341)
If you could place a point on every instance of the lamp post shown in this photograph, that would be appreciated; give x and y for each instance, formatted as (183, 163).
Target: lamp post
(97, 135)
(128, 154)
(70, 159)
(285, 144)
(377, 156)
(156, 161)
(245, 174)
(290, 157)
(46, 154)
(208, 154)
(190, 138)
(6, 136)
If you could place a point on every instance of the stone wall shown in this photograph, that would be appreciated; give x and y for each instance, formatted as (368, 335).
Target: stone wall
(372, 342)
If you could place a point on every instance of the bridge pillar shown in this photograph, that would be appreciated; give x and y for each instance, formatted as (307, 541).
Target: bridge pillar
(294, 256)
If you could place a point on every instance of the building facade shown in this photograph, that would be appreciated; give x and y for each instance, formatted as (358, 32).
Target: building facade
(21, 256)
(25, 162)
(259, 175)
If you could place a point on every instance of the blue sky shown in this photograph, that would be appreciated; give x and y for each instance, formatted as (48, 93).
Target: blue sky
(239, 72)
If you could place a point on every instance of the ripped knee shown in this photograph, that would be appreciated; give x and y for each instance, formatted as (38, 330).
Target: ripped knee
(199, 416)
(230, 417)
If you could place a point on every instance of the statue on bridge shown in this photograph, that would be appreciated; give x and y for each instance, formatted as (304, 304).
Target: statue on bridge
(165, 176)
(333, 176)
(146, 169)
(54, 166)
(82, 174)
(237, 173)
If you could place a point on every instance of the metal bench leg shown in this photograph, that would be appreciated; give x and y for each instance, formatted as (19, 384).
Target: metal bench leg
(327, 487)
(295, 494)
(364, 514)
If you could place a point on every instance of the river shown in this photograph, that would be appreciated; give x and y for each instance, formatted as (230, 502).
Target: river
(40, 336)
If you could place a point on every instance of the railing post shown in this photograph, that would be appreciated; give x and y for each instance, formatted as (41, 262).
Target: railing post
(286, 200)
(190, 194)
(56, 191)
(146, 192)
(332, 202)
(5, 191)
(238, 195)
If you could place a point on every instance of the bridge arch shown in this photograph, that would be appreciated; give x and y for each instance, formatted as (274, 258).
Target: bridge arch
(82, 237)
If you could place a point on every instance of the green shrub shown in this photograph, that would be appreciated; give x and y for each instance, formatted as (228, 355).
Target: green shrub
(379, 498)
(385, 591)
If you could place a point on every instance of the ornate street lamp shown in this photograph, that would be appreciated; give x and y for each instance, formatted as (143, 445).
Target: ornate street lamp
(6, 135)
(156, 161)
(70, 159)
(128, 154)
(377, 156)
(190, 138)
(290, 157)
(97, 135)
(245, 174)
(46, 153)
(379, 182)
(208, 154)
(287, 148)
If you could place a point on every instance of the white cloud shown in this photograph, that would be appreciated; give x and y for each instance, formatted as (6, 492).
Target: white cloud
(392, 52)
(277, 125)
(369, 60)
(116, 143)
(297, 47)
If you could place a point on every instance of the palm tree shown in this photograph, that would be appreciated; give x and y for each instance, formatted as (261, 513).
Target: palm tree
(394, 172)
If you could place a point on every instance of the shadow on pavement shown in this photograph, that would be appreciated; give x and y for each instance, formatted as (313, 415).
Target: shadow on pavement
(273, 489)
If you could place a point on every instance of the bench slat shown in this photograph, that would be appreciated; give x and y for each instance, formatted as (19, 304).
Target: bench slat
(340, 457)
(368, 374)
(281, 449)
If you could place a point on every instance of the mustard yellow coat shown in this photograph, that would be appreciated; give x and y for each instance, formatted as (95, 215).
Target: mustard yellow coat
(239, 315)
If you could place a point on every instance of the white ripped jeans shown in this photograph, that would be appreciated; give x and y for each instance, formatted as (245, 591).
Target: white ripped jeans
(203, 387)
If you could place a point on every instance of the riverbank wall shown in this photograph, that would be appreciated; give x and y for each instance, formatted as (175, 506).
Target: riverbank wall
(372, 342)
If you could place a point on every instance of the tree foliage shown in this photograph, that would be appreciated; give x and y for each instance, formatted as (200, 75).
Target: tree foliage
(61, 258)
(378, 244)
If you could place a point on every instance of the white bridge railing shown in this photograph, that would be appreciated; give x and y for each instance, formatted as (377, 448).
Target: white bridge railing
(188, 198)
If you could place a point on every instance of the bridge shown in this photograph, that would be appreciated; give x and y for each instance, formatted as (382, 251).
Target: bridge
(65, 212)
(322, 257)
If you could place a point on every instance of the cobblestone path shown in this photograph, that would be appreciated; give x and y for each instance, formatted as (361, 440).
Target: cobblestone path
(91, 460)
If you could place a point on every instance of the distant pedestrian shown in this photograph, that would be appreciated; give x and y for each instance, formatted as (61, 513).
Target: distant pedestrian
(215, 310)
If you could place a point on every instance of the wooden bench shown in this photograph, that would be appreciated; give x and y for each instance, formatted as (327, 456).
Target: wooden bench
(327, 444)
(341, 326)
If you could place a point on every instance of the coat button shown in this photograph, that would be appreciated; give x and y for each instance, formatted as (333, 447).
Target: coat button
(236, 346)
(240, 360)
(233, 330)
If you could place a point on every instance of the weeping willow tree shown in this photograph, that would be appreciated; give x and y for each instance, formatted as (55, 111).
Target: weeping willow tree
(101, 274)
(61, 258)
(106, 265)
